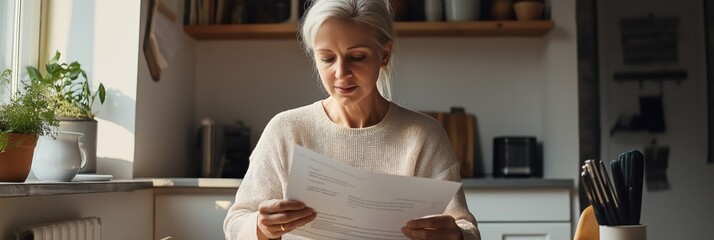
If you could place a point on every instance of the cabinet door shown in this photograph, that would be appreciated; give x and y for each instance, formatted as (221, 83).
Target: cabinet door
(191, 213)
(519, 204)
(525, 231)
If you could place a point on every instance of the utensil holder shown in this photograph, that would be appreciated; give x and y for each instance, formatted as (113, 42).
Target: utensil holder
(623, 232)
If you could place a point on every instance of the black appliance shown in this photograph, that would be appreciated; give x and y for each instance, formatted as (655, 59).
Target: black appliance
(224, 150)
(516, 157)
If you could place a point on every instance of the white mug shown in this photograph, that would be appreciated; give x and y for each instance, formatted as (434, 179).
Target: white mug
(623, 232)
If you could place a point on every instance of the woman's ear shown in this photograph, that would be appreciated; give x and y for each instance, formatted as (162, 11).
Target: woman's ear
(386, 54)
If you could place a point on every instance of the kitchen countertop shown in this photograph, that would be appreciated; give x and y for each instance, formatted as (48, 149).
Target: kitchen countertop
(467, 182)
(36, 188)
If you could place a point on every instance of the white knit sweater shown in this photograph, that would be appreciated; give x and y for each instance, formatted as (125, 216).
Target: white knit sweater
(404, 143)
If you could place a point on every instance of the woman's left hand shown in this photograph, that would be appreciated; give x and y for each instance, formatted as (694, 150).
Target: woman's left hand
(433, 227)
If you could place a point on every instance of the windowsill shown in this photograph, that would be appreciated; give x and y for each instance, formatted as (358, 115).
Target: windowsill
(36, 188)
(195, 182)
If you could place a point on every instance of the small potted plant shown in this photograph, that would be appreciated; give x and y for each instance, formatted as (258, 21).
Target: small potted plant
(72, 100)
(23, 118)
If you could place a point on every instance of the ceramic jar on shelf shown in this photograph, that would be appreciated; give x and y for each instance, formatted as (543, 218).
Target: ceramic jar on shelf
(528, 10)
(501, 9)
(462, 10)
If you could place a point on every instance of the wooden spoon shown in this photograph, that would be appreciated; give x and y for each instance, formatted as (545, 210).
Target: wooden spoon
(588, 228)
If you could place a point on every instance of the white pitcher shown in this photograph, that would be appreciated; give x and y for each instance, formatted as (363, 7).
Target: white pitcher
(58, 159)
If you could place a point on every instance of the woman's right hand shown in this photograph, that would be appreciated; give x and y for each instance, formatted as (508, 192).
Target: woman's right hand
(279, 216)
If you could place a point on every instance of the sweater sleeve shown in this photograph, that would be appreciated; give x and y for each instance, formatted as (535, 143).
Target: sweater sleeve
(443, 165)
(458, 209)
(263, 181)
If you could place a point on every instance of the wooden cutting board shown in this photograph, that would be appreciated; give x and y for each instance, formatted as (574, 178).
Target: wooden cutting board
(460, 128)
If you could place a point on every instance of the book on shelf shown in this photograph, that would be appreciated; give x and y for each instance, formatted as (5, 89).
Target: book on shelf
(202, 12)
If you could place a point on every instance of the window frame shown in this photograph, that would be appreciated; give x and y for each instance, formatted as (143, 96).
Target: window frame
(27, 16)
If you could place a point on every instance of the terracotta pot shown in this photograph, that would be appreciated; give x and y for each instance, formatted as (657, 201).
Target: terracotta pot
(528, 10)
(15, 162)
(502, 9)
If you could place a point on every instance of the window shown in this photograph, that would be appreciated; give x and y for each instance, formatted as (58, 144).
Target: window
(19, 39)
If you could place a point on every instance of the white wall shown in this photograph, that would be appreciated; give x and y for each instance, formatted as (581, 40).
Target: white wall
(125, 215)
(165, 130)
(514, 86)
(103, 36)
(684, 211)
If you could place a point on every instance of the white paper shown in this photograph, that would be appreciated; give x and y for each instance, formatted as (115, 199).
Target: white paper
(355, 204)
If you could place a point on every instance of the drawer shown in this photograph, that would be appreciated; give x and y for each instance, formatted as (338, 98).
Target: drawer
(525, 231)
(519, 205)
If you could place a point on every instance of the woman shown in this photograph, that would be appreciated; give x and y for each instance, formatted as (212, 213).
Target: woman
(351, 43)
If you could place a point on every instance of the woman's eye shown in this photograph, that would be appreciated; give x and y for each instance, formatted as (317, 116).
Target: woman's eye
(327, 59)
(357, 58)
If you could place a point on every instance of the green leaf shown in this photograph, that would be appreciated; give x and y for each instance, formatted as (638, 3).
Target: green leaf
(56, 57)
(73, 75)
(102, 93)
(34, 73)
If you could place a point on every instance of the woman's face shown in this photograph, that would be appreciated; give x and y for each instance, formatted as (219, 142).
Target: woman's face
(348, 60)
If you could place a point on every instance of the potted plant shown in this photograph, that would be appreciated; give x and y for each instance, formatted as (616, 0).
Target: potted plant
(72, 100)
(23, 118)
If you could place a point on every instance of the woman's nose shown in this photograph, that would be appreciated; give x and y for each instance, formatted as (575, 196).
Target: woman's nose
(343, 70)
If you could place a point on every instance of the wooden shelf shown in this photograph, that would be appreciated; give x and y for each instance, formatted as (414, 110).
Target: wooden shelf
(404, 29)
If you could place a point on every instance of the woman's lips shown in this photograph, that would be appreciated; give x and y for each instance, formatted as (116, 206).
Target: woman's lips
(346, 89)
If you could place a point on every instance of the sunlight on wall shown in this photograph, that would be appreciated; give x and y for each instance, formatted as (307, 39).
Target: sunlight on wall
(57, 29)
(223, 205)
(104, 37)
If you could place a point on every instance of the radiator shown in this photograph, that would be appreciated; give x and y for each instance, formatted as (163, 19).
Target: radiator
(77, 229)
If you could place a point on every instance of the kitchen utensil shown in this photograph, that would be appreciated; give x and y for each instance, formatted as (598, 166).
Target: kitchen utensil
(587, 225)
(611, 192)
(609, 206)
(594, 202)
(619, 186)
(638, 168)
(628, 176)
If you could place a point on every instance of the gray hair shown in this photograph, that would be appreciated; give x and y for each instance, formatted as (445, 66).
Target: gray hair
(376, 14)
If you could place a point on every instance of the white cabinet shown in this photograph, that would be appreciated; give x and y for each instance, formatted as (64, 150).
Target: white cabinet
(513, 213)
(525, 231)
(506, 209)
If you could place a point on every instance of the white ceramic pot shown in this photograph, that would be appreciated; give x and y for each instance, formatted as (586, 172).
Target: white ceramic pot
(58, 159)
